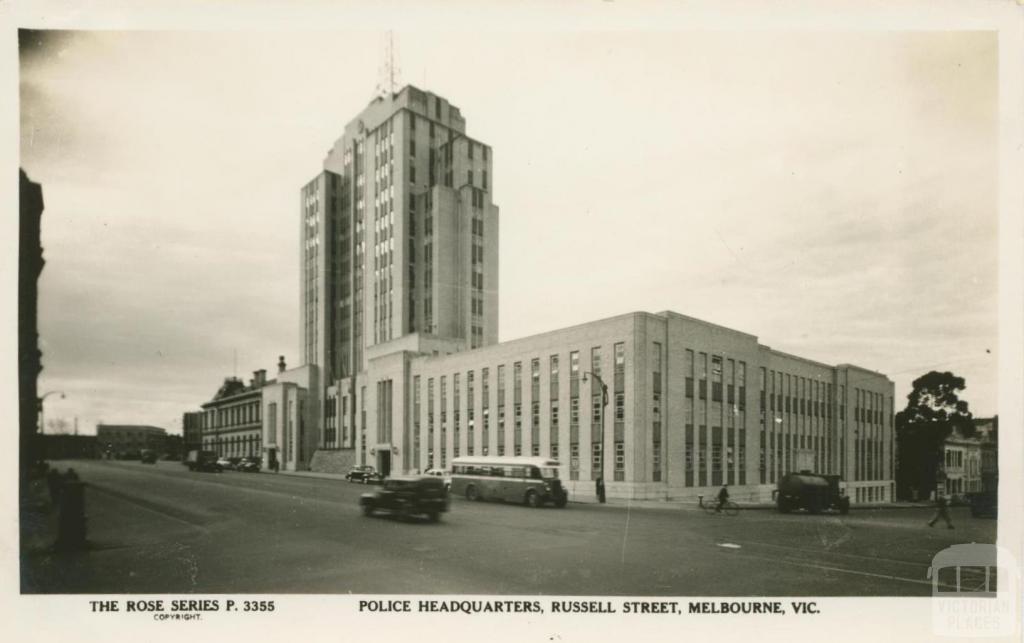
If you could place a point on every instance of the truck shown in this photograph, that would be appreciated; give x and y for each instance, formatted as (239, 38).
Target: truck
(814, 492)
(199, 460)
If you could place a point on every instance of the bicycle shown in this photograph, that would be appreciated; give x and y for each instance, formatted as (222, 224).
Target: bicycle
(729, 508)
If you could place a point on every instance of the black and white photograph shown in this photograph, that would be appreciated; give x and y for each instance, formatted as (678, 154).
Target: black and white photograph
(614, 315)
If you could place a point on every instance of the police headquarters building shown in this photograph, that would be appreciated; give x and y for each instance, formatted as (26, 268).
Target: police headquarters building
(399, 327)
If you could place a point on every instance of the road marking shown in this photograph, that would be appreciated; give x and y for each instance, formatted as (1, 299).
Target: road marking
(843, 570)
(729, 545)
(803, 550)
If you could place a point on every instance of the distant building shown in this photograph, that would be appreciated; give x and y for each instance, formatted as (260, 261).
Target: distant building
(268, 419)
(173, 447)
(192, 431)
(230, 421)
(121, 441)
(971, 465)
(988, 433)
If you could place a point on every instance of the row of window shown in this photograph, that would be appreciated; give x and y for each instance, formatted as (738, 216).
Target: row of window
(239, 414)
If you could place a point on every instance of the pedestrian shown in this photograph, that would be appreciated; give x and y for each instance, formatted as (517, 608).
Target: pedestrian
(941, 511)
(723, 497)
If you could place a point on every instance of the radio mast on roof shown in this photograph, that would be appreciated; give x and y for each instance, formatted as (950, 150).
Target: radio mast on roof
(388, 72)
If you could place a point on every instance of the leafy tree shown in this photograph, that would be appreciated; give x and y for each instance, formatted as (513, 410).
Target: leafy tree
(934, 411)
(58, 426)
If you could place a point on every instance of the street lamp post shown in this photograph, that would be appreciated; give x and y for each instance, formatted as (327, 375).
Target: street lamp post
(604, 404)
(42, 422)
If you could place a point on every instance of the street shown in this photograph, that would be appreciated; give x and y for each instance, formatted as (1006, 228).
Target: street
(162, 529)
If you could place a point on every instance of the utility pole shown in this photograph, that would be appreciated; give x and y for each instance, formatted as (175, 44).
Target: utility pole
(599, 481)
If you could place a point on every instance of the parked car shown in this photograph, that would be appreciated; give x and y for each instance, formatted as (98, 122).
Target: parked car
(225, 463)
(408, 496)
(365, 474)
(443, 474)
(148, 456)
(203, 461)
(249, 465)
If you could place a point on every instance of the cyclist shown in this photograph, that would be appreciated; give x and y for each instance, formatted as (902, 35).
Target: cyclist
(723, 497)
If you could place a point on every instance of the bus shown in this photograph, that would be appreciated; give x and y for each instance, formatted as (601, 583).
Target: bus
(967, 569)
(530, 480)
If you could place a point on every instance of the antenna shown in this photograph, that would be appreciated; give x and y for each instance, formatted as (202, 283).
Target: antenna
(235, 362)
(388, 73)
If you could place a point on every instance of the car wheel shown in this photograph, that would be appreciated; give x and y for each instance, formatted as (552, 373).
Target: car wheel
(472, 493)
(561, 501)
(367, 510)
(434, 516)
(532, 499)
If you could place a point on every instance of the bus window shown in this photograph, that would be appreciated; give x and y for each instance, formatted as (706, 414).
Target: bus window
(965, 579)
(533, 472)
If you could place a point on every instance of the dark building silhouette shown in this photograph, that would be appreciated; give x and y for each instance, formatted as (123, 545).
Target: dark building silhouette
(30, 255)
(68, 447)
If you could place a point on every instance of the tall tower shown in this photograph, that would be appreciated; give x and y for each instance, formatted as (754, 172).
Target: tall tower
(399, 237)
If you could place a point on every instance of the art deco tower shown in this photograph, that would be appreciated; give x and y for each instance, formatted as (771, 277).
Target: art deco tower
(399, 237)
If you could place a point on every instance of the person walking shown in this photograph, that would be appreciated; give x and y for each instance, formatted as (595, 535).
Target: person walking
(941, 511)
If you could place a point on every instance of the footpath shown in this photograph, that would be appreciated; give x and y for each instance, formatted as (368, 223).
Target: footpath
(587, 499)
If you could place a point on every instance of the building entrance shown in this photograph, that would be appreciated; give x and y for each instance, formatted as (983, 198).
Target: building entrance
(384, 462)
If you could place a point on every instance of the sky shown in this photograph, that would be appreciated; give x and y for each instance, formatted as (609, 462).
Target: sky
(833, 193)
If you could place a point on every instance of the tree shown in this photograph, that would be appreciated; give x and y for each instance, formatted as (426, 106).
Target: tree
(934, 411)
(57, 426)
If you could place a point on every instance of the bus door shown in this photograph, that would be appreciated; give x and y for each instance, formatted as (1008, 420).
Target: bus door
(502, 481)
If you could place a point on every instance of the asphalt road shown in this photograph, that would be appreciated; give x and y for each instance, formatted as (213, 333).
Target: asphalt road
(162, 529)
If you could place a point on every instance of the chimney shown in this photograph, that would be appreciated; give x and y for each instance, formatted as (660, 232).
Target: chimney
(280, 364)
(259, 378)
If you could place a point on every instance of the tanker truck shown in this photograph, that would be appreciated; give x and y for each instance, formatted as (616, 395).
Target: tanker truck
(813, 492)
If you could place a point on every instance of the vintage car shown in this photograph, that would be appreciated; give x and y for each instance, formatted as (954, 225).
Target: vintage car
(199, 460)
(440, 473)
(365, 474)
(408, 496)
(249, 465)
